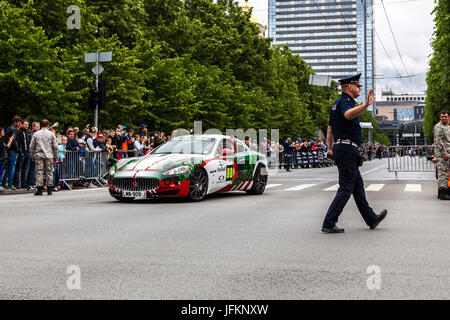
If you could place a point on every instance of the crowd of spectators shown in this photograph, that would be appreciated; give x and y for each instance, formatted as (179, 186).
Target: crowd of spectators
(17, 170)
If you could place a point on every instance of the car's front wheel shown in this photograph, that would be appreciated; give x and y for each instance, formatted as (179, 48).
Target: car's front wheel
(198, 185)
(259, 180)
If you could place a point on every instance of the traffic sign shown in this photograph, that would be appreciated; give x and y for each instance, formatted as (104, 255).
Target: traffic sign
(90, 57)
(99, 56)
(100, 69)
(103, 56)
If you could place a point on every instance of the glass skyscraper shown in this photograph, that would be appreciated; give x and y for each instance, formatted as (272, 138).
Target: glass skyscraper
(335, 37)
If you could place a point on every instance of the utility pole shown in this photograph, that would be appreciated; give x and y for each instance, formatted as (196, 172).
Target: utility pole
(99, 56)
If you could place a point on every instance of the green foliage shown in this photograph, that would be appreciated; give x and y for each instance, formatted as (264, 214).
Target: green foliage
(174, 62)
(438, 77)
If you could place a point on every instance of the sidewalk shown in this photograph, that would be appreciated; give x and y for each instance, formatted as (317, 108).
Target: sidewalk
(24, 191)
(17, 191)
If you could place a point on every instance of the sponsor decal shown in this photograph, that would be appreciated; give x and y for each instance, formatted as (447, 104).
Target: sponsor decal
(230, 171)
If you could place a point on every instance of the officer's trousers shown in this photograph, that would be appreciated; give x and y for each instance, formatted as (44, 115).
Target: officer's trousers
(350, 182)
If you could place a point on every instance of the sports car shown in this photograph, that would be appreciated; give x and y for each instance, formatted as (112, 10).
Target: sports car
(190, 166)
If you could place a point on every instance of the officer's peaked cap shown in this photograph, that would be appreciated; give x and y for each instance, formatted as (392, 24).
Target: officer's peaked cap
(351, 79)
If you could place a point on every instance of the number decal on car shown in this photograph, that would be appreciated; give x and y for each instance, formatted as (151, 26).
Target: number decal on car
(229, 173)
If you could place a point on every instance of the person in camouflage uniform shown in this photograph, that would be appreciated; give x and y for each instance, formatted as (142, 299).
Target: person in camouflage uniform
(44, 150)
(442, 153)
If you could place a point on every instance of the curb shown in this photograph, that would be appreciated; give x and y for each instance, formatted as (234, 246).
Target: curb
(19, 191)
(25, 191)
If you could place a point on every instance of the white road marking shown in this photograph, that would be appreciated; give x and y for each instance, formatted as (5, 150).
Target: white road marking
(375, 169)
(272, 185)
(332, 188)
(413, 188)
(300, 187)
(375, 187)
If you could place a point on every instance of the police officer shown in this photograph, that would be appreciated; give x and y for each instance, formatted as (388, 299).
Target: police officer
(442, 154)
(343, 138)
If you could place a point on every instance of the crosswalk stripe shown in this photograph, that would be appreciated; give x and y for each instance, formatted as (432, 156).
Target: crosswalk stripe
(300, 187)
(273, 185)
(332, 188)
(375, 187)
(413, 188)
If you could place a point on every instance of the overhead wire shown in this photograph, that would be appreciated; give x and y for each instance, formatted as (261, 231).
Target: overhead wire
(396, 44)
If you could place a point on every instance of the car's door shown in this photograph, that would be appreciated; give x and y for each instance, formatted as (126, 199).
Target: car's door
(222, 169)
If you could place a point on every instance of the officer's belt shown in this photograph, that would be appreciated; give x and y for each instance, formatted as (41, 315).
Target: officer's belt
(346, 141)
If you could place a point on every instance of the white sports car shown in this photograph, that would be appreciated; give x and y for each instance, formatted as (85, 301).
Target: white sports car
(190, 166)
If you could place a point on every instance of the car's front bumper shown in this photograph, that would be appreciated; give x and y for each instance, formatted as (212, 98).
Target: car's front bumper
(160, 186)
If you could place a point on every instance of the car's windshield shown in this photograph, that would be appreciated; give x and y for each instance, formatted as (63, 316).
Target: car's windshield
(187, 145)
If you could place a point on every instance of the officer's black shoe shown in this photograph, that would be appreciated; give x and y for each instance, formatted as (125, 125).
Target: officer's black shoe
(39, 191)
(333, 230)
(380, 218)
(49, 190)
(444, 194)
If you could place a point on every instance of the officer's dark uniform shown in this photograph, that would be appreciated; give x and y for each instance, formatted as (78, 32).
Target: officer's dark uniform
(347, 138)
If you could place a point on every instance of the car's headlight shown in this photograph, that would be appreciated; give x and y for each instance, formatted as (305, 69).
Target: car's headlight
(112, 171)
(177, 170)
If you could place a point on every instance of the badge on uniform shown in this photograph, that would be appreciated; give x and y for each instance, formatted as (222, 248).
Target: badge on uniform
(333, 107)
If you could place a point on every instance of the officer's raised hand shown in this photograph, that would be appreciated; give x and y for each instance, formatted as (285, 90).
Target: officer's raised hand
(354, 90)
(370, 98)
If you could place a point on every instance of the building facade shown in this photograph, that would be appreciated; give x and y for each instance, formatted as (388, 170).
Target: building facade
(388, 95)
(400, 117)
(335, 37)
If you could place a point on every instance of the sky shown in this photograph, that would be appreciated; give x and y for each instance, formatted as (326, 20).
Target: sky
(412, 25)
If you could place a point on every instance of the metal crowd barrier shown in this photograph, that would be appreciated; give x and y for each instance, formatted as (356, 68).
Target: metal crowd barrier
(309, 159)
(82, 167)
(411, 159)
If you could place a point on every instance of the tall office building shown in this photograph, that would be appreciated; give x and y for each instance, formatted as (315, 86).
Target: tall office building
(335, 37)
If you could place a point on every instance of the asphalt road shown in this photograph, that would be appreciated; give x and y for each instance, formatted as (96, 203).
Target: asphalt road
(231, 246)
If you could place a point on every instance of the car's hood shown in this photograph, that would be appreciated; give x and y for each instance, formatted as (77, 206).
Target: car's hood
(158, 162)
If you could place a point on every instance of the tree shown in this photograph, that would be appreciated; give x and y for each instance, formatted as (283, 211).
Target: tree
(174, 62)
(438, 76)
(31, 75)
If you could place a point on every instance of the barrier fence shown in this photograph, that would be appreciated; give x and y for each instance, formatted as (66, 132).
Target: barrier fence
(86, 167)
(302, 159)
(411, 159)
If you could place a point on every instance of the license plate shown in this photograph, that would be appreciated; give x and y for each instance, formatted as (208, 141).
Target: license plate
(134, 194)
